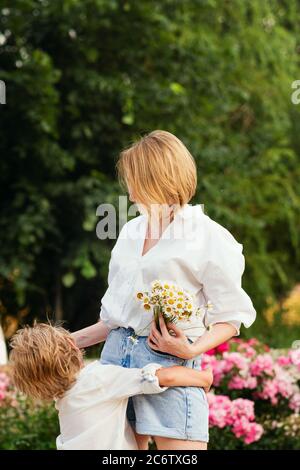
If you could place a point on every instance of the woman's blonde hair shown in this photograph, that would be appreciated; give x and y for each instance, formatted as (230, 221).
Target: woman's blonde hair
(159, 169)
(44, 361)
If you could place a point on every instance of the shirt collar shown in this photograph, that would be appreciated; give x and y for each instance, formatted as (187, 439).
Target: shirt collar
(188, 210)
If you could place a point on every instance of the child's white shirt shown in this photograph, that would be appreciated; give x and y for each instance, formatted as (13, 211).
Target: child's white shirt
(92, 414)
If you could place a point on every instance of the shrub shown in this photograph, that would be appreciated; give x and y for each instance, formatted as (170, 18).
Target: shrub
(25, 424)
(255, 401)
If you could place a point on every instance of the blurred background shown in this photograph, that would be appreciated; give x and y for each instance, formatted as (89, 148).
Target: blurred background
(84, 79)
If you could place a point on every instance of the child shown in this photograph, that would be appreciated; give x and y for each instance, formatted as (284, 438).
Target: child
(91, 400)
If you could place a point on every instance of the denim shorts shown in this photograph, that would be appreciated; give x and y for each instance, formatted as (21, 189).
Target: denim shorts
(178, 412)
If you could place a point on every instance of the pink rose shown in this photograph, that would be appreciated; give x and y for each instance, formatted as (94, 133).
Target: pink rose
(211, 352)
(242, 407)
(252, 342)
(235, 359)
(250, 432)
(248, 351)
(294, 355)
(294, 403)
(238, 383)
(222, 348)
(283, 361)
(269, 391)
(262, 364)
(218, 368)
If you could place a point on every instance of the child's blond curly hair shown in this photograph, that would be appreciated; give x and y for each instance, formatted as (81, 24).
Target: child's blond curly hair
(45, 361)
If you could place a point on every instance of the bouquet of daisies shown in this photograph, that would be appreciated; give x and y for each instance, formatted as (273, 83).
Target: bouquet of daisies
(171, 301)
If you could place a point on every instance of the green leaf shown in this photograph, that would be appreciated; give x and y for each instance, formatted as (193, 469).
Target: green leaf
(68, 279)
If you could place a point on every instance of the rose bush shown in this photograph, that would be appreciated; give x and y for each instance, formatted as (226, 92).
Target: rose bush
(24, 424)
(255, 399)
(254, 402)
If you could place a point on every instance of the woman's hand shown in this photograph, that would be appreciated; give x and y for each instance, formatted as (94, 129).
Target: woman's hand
(176, 343)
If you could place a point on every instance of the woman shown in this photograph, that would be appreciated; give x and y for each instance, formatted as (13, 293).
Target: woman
(185, 246)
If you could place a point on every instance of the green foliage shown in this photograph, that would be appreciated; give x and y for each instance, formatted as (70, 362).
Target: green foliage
(31, 426)
(277, 335)
(283, 437)
(28, 426)
(85, 78)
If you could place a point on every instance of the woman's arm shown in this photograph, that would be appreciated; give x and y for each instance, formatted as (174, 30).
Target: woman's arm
(179, 376)
(178, 345)
(219, 333)
(91, 335)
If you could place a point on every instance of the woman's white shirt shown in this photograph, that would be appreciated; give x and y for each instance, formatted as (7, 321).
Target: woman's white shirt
(195, 253)
(92, 414)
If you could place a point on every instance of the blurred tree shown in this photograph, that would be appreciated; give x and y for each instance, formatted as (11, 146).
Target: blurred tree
(85, 78)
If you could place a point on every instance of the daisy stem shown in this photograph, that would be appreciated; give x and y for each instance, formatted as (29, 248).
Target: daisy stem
(156, 313)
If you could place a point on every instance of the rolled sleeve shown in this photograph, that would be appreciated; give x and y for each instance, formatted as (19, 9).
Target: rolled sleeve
(150, 383)
(230, 303)
(104, 318)
(222, 282)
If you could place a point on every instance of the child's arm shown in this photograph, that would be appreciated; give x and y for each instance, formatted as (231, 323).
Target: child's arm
(179, 376)
(119, 382)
